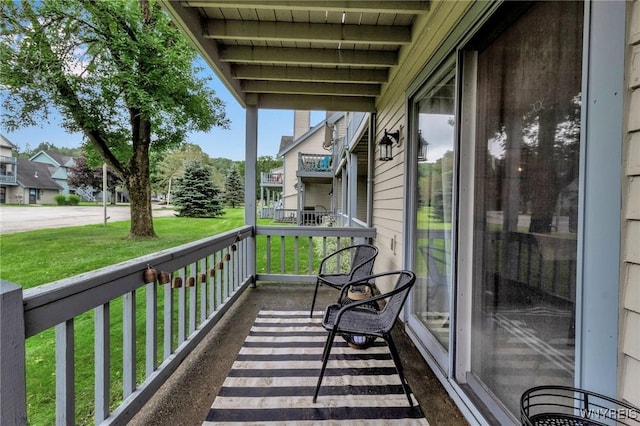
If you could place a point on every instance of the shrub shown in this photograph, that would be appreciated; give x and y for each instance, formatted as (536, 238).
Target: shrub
(74, 199)
(60, 199)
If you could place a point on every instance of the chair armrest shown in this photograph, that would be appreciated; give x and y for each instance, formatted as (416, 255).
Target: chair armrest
(374, 299)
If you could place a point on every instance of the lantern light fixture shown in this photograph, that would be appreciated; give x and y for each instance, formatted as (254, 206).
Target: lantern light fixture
(386, 144)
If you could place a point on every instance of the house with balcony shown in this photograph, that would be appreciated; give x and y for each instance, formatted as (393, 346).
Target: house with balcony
(25, 181)
(8, 168)
(329, 160)
(501, 142)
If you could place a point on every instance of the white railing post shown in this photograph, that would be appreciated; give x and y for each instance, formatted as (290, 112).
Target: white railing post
(13, 394)
(251, 162)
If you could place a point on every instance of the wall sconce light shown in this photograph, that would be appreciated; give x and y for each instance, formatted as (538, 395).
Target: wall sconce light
(386, 143)
(422, 147)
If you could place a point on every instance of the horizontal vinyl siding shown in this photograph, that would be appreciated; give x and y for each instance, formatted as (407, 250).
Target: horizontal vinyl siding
(389, 176)
(290, 197)
(630, 318)
(361, 213)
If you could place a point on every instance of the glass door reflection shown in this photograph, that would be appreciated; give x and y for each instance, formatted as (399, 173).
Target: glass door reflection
(433, 249)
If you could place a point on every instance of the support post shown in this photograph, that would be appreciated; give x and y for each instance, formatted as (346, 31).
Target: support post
(250, 170)
(13, 393)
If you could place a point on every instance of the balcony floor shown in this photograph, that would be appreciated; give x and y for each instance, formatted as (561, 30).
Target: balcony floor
(187, 397)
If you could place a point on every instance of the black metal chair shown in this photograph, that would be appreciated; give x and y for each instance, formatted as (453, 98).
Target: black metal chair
(359, 261)
(569, 406)
(356, 318)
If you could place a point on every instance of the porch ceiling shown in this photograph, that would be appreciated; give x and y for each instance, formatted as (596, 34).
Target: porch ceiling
(308, 55)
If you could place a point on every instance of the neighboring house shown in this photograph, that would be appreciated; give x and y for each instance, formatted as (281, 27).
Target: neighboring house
(308, 177)
(61, 165)
(513, 188)
(35, 184)
(313, 186)
(8, 169)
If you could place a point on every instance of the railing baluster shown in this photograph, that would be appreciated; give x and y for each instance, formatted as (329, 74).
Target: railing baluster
(310, 254)
(193, 299)
(102, 347)
(202, 285)
(282, 255)
(168, 320)
(296, 256)
(211, 282)
(129, 343)
(219, 283)
(226, 275)
(236, 269)
(182, 307)
(65, 391)
(151, 335)
(268, 254)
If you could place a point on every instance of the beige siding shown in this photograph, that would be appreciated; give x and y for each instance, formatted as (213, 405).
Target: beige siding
(290, 196)
(630, 317)
(389, 177)
(361, 213)
(317, 196)
(312, 145)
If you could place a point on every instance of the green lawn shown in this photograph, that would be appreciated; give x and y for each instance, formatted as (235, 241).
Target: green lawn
(38, 257)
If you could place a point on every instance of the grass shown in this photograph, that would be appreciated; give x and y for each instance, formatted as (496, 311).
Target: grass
(27, 256)
(38, 257)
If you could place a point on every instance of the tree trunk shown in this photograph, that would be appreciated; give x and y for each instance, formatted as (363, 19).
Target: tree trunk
(138, 180)
(544, 198)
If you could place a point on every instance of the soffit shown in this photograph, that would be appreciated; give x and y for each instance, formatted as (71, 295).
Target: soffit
(307, 55)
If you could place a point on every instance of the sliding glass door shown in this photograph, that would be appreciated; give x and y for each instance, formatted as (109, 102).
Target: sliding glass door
(525, 220)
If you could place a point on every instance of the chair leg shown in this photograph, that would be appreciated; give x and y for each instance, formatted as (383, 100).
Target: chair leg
(313, 303)
(398, 363)
(325, 357)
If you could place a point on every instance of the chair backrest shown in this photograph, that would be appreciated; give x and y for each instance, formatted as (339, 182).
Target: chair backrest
(362, 262)
(396, 297)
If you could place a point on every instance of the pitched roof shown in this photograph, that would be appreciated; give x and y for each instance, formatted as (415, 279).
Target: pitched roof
(285, 141)
(6, 142)
(32, 174)
(61, 160)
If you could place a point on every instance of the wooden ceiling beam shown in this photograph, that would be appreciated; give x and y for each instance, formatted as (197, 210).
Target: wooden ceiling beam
(300, 56)
(295, 73)
(307, 32)
(400, 7)
(311, 102)
(310, 88)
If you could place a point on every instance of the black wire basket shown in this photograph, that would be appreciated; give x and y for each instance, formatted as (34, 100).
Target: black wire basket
(563, 405)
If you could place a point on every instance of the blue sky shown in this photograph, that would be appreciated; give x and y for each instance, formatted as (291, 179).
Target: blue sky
(272, 124)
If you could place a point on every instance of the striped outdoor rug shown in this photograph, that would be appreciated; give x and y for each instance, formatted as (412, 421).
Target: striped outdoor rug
(273, 379)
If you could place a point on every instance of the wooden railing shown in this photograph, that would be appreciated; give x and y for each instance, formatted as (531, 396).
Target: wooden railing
(202, 281)
(314, 163)
(270, 179)
(161, 323)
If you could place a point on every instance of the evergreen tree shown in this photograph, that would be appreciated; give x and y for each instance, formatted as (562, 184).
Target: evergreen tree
(233, 188)
(194, 194)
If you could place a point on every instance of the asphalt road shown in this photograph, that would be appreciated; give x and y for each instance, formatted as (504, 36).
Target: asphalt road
(28, 218)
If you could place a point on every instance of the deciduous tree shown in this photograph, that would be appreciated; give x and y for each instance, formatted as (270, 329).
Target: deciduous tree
(118, 70)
